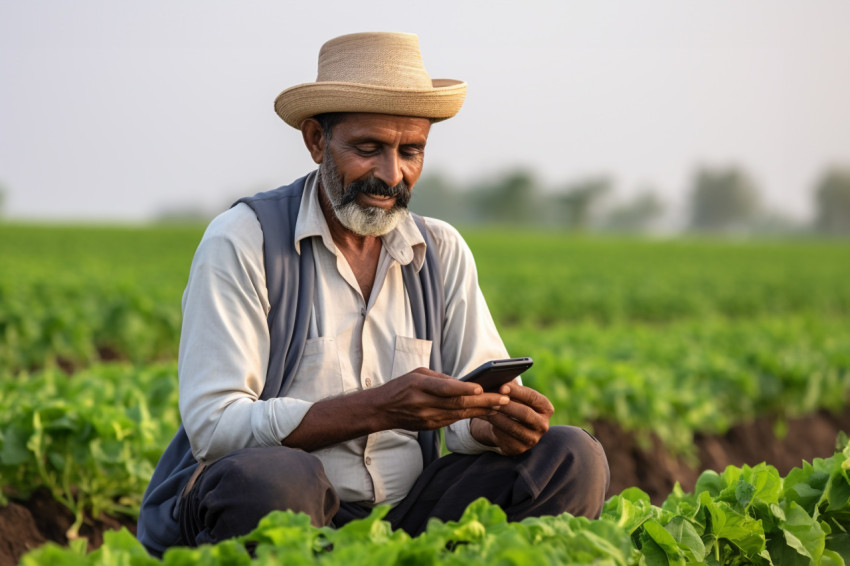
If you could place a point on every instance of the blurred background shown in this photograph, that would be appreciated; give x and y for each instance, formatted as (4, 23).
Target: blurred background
(655, 116)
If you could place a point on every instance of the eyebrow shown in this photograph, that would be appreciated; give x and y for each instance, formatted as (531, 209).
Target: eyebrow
(376, 141)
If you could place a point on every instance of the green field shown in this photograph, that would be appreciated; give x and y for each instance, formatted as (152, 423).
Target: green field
(666, 337)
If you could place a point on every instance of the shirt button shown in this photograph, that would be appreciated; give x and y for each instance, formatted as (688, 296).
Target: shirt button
(368, 461)
(368, 382)
(363, 312)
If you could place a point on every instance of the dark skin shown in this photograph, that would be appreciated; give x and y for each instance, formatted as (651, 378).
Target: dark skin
(392, 148)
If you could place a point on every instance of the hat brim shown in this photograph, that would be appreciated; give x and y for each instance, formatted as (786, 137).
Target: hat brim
(296, 104)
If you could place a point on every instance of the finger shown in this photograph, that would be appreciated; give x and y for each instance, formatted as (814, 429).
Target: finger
(445, 386)
(453, 388)
(526, 416)
(523, 423)
(512, 431)
(437, 418)
(430, 373)
(439, 384)
(509, 444)
(451, 394)
(474, 413)
(530, 397)
(480, 401)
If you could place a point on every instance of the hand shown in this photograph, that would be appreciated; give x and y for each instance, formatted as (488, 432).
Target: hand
(517, 426)
(420, 400)
(425, 400)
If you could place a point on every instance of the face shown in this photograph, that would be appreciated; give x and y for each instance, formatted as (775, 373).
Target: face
(368, 168)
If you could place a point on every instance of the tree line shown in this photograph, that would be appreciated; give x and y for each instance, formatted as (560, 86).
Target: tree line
(720, 200)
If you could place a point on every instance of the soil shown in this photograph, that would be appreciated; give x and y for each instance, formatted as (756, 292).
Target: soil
(25, 525)
(655, 471)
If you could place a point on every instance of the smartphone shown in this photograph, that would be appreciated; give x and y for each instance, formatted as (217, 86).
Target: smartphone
(495, 373)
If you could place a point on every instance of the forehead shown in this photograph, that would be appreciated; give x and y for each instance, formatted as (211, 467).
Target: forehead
(386, 128)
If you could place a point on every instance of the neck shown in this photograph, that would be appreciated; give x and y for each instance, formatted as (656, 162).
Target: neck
(361, 252)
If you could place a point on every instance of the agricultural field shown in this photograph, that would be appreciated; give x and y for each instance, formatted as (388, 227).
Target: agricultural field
(710, 370)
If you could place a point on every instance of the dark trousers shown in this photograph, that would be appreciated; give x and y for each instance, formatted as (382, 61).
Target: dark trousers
(566, 472)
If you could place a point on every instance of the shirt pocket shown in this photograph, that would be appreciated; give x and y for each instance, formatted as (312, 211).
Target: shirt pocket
(319, 375)
(409, 354)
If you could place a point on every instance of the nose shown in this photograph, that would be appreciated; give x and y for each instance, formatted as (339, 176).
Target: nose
(388, 168)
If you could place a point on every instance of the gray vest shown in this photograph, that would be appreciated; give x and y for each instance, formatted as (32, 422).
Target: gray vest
(290, 279)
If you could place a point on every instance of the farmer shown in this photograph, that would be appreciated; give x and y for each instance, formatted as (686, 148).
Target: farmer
(324, 326)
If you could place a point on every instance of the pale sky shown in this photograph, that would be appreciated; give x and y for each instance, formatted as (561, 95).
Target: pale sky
(116, 110)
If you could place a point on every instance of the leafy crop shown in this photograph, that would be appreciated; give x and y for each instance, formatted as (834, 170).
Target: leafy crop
(72, 295)
(684, 377)
(91, 440)
(112, 420)
(547, 278)
(664, 337)
(76, 324)
(747, 515)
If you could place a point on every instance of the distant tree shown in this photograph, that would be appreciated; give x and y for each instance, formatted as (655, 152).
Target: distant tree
(832, 201)
(510, 199)
(182, 215)
(637, 215)
(435, 195)
(723, 200)
(775, 223)
(574, 205)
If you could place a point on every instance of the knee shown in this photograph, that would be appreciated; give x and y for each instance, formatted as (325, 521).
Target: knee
(273, 477)
(566, 472)
(574, 439)
(581, 451)
(235, 492)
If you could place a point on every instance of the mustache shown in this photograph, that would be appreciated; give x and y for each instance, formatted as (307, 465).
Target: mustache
(375, 186)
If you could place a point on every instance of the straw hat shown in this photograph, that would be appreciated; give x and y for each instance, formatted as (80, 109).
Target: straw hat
(372, 72)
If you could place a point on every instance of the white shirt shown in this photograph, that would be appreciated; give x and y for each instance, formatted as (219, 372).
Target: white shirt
(354, 343)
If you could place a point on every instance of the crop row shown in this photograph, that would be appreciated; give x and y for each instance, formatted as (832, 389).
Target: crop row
(546, 278)
(76, 324)
(688, 376)
(73, 295)
(747, 515)
(93, 438)
(665, 338)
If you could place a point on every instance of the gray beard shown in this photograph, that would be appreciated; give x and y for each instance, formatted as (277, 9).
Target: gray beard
(364, 221)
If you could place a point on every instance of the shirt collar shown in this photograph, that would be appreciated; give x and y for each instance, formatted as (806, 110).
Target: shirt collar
(404, 244)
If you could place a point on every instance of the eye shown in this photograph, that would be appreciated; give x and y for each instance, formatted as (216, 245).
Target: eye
(367, 149)
(412, 152)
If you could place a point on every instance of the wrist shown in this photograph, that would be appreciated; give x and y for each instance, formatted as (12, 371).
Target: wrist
(372, 411)
(363, 411)
(335, 420)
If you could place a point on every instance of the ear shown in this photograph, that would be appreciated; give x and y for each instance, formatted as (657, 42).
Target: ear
(314, 139)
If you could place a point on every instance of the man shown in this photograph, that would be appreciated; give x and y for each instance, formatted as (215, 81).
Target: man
(324, 326)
